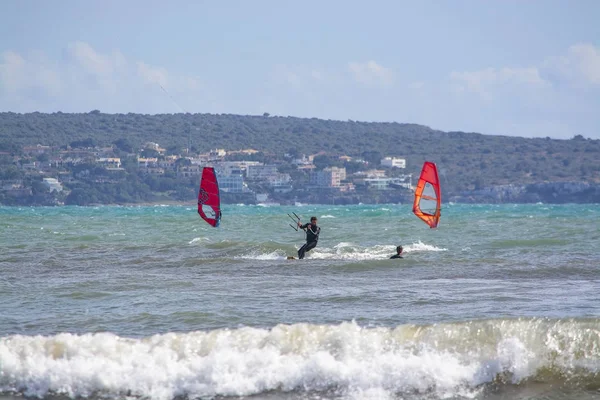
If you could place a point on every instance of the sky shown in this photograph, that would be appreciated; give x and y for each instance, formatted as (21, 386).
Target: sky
(527, 68)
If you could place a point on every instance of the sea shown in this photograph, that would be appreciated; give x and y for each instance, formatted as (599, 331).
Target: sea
(150, 302)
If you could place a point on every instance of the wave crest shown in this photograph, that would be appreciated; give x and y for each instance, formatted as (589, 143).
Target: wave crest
(442, 359)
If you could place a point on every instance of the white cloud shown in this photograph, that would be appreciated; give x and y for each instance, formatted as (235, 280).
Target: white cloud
(558, 95)
(484, 82)
(19, 76)
(11, 71)
(371, 73)
(588, 61)
(580, 66)
(417, 85)
(83, 55)
(552, 84)
(86, 79)
(154, 75)
(554, 97)
(300, 76)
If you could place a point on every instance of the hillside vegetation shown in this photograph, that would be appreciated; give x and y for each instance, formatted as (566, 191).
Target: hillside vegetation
(465, 160)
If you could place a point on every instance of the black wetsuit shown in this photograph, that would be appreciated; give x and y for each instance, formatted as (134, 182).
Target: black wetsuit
(396, 256)
(312, 236)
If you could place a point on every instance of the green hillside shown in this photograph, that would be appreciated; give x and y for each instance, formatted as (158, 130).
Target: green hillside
(466, 160)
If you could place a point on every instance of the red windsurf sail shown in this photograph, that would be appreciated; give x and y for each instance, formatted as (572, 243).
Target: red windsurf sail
(428, 197)
(209, 201)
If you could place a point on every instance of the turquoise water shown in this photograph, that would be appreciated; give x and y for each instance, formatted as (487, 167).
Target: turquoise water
(501, 301)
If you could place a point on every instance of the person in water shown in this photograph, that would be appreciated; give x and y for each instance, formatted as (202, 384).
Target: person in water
(398, 253)
(312, 236)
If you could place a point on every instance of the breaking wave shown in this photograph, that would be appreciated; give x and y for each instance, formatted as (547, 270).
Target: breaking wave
(341, 361)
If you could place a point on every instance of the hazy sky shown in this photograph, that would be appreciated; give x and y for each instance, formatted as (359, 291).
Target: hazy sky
(523, 68)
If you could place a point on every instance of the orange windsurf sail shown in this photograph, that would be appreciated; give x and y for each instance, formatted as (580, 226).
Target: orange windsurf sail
(428, 197)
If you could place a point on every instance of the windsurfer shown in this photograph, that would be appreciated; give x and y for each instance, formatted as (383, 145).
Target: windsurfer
(312, 236)
(398, 253)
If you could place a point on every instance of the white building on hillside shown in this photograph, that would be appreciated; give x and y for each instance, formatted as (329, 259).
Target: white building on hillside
(53, 184)
(261, 172)
(393, 162)
(232, 184)
(234, 167)
(328, 177)
(109, 162)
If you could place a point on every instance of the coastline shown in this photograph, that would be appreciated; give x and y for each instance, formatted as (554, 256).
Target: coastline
(158, 203)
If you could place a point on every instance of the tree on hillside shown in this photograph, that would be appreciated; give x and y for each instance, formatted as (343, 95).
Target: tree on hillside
(124, 145)
(83, 144)
(372, 157)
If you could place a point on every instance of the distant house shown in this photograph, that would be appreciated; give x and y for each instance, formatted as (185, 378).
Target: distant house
(155, 170)
(52, 184)
(155, 146)
(77, 154)
(169, 163)
(280, 183)
(372, 173)
(146, 162)
(389, 183)
(232, 184)
(328, 177)
(234, 167)
(32, 166)
(393, 162)
(261, 172)
(247, 152)
(112, 162)
(37, 149)
(312, 156)
(105, 152)
(217, 153)
(18, 191)
(189, 171)
(378, 183)
(303, 163)
(347, 187)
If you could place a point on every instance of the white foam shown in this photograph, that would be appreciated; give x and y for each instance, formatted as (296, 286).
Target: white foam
(198, 239)
(420, 246)
(350, 251)
(347, 251)
(449, 360)
(515, 358)
(275, 255)
(343, 251)
(327, 216)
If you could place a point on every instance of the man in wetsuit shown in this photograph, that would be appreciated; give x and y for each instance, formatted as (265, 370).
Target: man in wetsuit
(312, 236)
(398, 253)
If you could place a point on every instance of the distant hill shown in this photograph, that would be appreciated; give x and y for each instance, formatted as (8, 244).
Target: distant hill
(465, 160)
